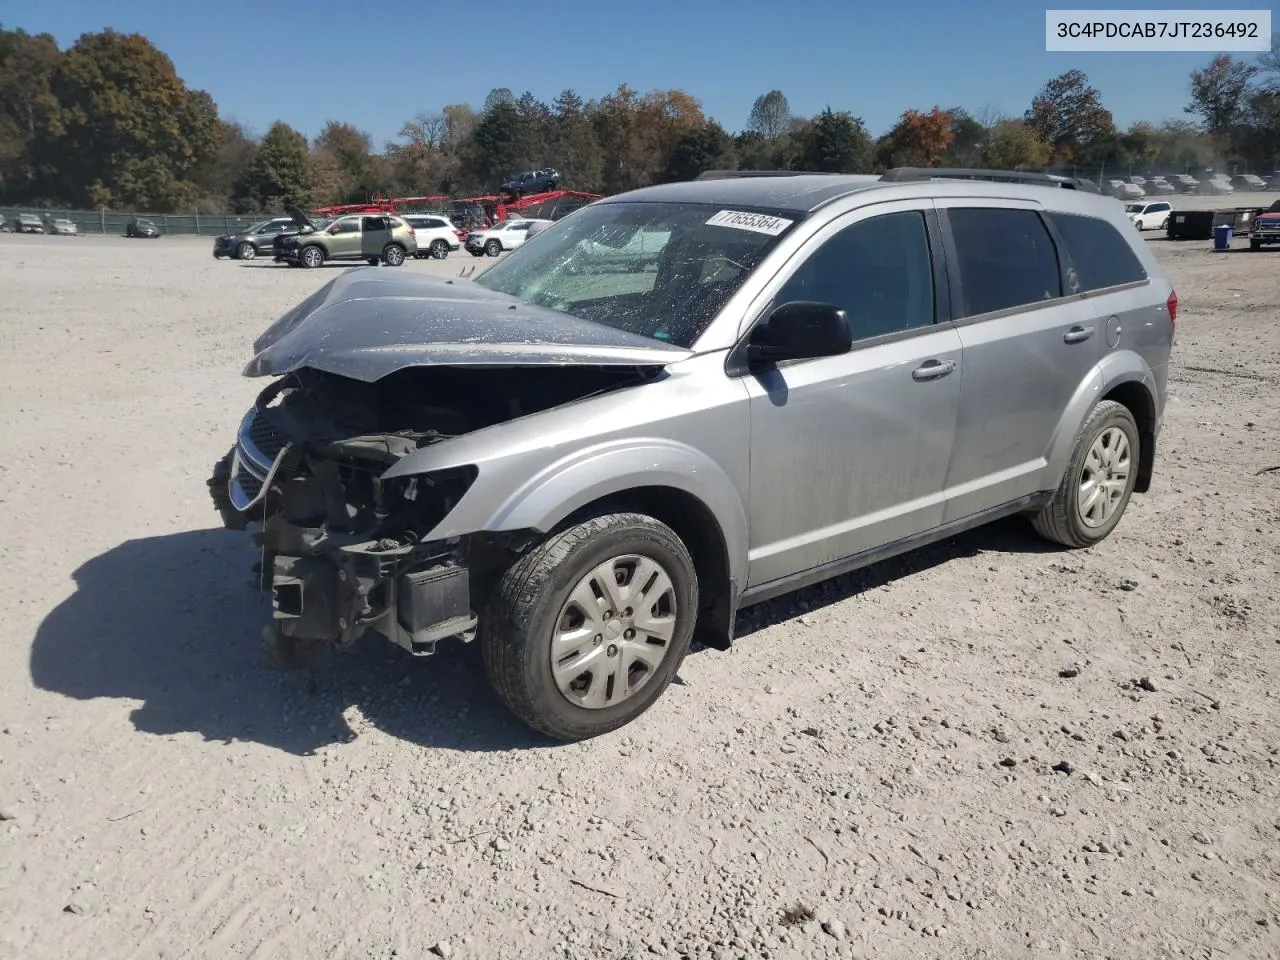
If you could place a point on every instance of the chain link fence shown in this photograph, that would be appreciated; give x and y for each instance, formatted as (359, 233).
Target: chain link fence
(113, 222)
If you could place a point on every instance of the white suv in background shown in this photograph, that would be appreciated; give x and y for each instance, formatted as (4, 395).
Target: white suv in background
(505, 236)
(1146, 216)
(437, 236)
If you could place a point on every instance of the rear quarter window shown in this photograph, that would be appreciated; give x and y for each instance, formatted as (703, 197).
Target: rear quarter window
(1101, 255)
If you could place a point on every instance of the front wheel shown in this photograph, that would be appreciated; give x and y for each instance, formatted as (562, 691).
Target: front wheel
(439, 249)
(246, 251)
(585, 631)
(393, 255)
(474, 252)
(493, 248)
(1098, 481)
(312, 257)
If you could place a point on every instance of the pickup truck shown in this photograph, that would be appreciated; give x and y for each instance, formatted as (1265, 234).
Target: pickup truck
(1266, 227)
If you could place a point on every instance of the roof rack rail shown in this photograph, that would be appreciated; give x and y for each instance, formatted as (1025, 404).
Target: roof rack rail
(739, 174)
(901, 174)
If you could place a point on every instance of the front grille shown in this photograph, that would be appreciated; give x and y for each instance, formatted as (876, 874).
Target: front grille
(266, 437)
(259, 450)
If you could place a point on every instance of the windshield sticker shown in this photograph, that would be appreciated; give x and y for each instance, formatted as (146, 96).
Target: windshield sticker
(755, 222)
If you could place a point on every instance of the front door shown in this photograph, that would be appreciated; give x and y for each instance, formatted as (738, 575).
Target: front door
(849, 453)
(376, 235)
(1027, 349)
(344, 238)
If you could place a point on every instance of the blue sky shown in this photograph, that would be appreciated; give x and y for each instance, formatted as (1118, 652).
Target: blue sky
(875, 62)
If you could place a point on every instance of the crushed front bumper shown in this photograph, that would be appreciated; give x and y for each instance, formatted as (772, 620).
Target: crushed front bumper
(332, 575)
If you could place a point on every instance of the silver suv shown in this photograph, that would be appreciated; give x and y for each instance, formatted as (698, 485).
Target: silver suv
(584, 458)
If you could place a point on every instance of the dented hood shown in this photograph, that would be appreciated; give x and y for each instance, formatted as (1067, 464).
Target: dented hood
(374, 321)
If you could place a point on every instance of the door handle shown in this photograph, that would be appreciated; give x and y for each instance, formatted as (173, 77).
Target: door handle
(1077, 335)
(933, 369)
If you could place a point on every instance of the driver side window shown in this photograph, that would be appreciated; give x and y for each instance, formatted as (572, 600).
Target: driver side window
(346, 226)
(878, 271)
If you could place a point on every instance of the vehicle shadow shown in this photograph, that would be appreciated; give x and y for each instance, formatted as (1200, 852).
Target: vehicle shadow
(173, 622)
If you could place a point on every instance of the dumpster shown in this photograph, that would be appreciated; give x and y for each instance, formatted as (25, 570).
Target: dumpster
(1191, 225)
(1222, 236)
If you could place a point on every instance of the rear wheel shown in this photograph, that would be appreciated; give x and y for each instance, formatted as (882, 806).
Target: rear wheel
(312, 256)
(493, 248)
(585, 631)
(393, 255)
(246, 251)
(439, 249)
(1098, 481)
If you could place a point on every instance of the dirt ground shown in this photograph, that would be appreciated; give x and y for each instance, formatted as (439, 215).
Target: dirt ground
(986, 749)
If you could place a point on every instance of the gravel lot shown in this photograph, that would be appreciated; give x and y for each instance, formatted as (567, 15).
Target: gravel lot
(876, 756)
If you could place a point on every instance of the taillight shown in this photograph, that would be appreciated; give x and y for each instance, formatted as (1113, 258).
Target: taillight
(1172, 306)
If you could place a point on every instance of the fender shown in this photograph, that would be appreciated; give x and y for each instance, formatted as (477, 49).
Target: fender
(614, 467)
(1123, 366)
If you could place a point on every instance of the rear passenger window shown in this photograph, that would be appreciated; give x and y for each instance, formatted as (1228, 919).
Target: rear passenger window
(1101, 256)
(1007, 259)
(878, 271)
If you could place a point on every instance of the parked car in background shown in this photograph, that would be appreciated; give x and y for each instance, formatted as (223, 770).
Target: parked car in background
(4, 227)
(579, 470)
(372, 237)
(1266, 228)
(1159, 187)
(1216, 185)
(1123, 190)
(62, 227)
(437, 236)
(253, 240)
(1149, 216)
(1273, 181)
(1248, 182)
(1184, 183)
(142, 228)
(29, 223)
(532, 181)
(505, 236)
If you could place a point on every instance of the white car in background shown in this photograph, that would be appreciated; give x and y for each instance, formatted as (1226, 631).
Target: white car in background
(505, 236)
(437, 236)
(1149, 216)
(62, 227)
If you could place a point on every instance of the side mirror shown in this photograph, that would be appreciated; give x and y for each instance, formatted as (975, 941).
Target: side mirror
(800, 330)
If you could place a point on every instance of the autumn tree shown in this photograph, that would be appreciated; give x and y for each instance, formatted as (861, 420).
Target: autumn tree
(835, 143)
(574, 148)
(343, 166)
(217, 178)
(1014, 145)
(964, 149)
(27, 64)
(496, 150)
(703, 148)
(916, 140)
(1218, 92)
(280, 172)
(1067, 114)
(126, 131)
(770, 115)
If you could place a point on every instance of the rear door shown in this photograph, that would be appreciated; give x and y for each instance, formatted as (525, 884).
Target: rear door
(1028, 345)
(376, 234)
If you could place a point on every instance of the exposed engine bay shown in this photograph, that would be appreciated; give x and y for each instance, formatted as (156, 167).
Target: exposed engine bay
(344, 551)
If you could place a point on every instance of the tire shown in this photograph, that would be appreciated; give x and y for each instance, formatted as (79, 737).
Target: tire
(246, 251)
(1164, 224)
(393, 255)
(493, 248)
(532, 600)
(475, 253)
(439, 249)
(1255, 244)
(372, 261)
(311, 256)
(1063, 520)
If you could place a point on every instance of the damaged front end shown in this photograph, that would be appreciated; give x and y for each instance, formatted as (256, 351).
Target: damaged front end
(345, 550)
(342, 550)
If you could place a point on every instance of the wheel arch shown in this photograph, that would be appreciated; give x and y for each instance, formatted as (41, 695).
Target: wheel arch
(697, 527)
(1124, 377)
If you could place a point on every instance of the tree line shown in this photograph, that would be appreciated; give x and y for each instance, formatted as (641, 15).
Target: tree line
(108, 122)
